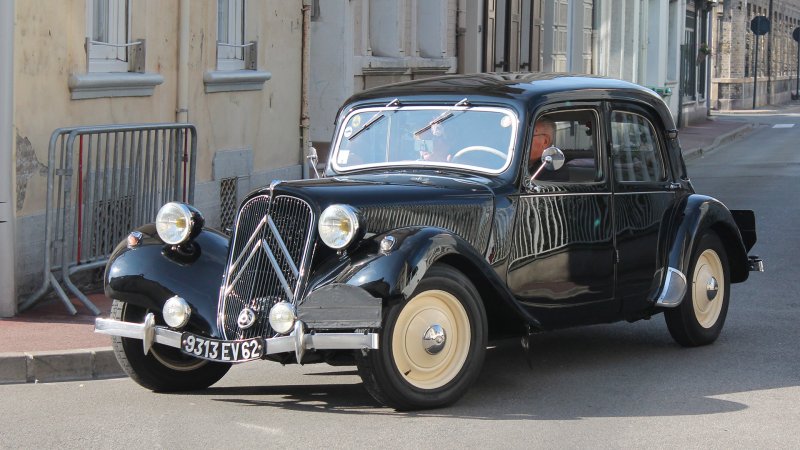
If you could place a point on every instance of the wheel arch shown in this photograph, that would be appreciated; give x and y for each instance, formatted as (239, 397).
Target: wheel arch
(394, 274)
(152, 272)
(501, 318)
(695, 216)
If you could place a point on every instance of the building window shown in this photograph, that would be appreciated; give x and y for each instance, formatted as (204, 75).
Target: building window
(230, 35)
(690, 56)
(108, 25)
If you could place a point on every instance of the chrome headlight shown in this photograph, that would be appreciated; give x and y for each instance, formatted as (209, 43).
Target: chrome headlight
(176, 312)
(282, 317)
(177, 222)
(338, 225)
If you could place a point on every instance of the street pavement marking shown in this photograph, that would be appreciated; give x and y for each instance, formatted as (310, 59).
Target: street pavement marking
(783, 125)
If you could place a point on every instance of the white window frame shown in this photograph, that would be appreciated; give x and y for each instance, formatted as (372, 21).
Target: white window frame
(117, 19)
(230, 13)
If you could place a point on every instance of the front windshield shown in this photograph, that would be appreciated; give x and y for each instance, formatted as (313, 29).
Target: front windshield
(472, 138)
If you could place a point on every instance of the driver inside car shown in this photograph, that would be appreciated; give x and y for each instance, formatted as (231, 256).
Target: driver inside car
(436, 149)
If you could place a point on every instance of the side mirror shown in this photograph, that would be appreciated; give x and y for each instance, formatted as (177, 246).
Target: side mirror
(552, 160)
(313, 159)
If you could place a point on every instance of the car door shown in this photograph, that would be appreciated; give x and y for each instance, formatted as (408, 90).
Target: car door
(642, 196)
(561, 265)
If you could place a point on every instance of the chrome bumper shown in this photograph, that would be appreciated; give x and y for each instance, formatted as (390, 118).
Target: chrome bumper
(298, 341)
(755, 264)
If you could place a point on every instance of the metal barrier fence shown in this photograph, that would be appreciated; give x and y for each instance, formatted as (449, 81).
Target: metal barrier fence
(103, 181)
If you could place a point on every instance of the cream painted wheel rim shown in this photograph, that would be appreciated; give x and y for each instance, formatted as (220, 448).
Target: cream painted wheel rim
(418, 367)
(708, 269)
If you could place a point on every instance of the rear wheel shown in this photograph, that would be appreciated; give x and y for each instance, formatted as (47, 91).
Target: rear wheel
(163, 368)
(432, 345)
(698, 320)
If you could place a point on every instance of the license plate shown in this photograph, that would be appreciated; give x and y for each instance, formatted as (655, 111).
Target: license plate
(217, 350)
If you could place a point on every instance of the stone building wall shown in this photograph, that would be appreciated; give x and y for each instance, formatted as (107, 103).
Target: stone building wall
(734, 81)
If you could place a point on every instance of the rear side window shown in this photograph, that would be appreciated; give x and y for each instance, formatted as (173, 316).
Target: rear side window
(635, 149)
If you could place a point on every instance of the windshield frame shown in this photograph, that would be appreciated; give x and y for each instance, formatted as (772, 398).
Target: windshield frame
(340, 136)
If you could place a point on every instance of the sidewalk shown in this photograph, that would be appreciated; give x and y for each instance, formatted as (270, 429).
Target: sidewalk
(703, 137)
(47, 344)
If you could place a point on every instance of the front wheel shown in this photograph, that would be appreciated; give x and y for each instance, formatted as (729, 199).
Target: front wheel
(432, 345)
(164, 369)
(698, 320)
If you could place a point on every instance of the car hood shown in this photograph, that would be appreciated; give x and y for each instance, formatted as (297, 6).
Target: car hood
(462, 205)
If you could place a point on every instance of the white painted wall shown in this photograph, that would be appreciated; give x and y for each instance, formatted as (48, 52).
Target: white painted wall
(332, 50)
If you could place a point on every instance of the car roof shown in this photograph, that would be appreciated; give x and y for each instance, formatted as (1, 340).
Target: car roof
(525, 90)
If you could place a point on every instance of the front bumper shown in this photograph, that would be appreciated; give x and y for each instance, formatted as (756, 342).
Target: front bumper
(298, 341)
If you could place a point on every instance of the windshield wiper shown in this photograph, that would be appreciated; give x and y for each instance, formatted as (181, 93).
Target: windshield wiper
(441, 117)
(372, 120)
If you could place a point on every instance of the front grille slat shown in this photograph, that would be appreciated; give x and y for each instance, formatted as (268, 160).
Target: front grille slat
(278, 232)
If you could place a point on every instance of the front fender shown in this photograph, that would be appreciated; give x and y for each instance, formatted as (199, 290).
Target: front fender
(393, 275)
(152, 272)
(698, 214)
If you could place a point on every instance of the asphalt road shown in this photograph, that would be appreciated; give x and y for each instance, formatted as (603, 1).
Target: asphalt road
(610, 386)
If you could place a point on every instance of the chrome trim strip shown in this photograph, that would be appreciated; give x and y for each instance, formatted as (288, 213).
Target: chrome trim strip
(296, 342)
(232, 267)
(244, 266)
(644, 192)
(673, 290)
(278, 272)
(562, 194)
(282, 246)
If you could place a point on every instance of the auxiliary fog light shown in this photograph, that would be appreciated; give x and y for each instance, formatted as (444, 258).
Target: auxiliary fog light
(281, 317)
(176, 312)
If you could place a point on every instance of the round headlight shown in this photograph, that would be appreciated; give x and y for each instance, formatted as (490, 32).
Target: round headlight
(338, 225)
(174, 223)
(176, 312)
(281, 317)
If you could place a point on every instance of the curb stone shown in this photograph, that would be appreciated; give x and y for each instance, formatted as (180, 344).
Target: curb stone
(65, 365)
(718, 141)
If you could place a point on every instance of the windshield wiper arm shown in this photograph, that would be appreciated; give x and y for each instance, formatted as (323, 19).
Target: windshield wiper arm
(375, 118)
(441, 117)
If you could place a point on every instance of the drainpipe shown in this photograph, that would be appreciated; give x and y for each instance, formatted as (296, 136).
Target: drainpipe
(304, 86)
(8, 297)
(182, 104)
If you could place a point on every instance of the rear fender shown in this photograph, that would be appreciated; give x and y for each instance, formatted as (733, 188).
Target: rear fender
(152, 272)
(696, 215)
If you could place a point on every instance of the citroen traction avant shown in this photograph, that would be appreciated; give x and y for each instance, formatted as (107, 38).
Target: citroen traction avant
(432, 230)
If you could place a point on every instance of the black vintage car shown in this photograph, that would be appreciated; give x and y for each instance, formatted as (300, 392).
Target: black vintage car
(439, 223)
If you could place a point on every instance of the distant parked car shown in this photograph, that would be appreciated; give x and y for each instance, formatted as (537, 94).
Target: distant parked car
(452, 211)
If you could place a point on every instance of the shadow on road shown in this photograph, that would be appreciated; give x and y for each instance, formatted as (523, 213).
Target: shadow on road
(620, 370)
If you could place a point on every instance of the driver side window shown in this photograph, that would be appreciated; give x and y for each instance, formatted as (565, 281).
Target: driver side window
(574, 133)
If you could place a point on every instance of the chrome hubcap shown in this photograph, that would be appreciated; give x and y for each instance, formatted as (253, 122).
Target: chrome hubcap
(712, 287)
(434, 339)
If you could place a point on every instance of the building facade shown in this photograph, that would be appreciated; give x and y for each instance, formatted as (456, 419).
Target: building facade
(740, 80)
(358, 44)
(232, 68)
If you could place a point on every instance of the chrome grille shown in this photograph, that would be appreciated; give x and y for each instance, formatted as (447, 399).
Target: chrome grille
(271, 247)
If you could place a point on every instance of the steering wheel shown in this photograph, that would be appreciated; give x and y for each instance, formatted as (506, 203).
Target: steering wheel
(479, 148)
